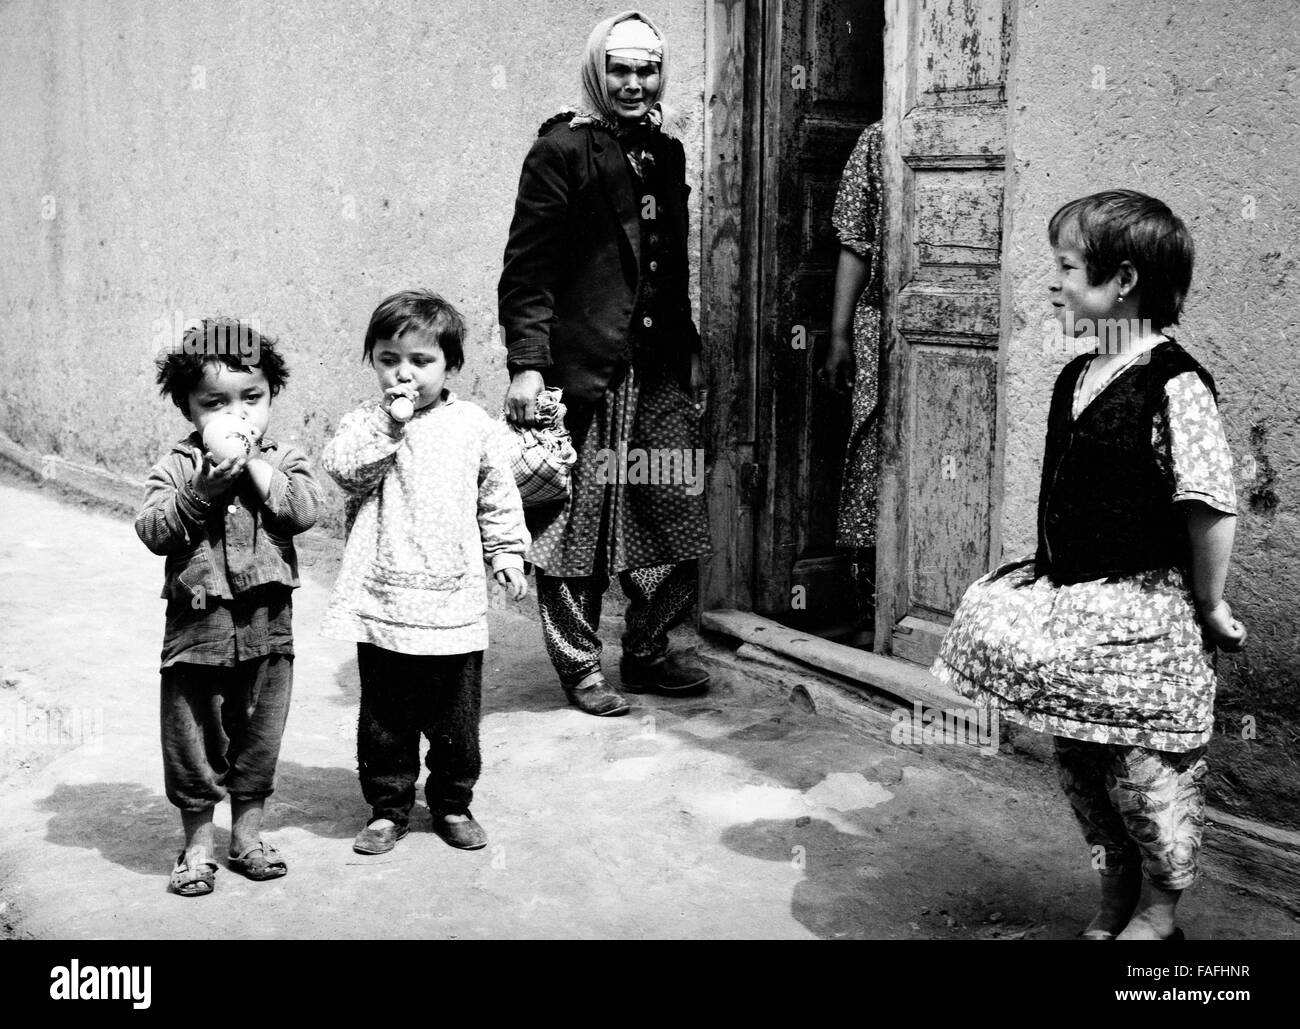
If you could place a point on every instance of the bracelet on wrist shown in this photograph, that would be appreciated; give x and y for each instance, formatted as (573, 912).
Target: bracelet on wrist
(196, 496)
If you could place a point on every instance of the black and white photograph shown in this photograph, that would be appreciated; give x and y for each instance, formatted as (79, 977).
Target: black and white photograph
(725, 470)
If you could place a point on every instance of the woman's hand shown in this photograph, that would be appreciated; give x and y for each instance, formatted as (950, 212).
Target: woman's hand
(840, 369)
(513, 580)
(699, 386)
(521, 398)
(1224, 631)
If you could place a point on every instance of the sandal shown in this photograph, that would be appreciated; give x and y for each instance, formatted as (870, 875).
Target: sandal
(192, 880)
(259, 862)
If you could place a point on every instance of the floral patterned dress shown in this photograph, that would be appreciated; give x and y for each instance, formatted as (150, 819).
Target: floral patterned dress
(858, 218)
(1118, 660)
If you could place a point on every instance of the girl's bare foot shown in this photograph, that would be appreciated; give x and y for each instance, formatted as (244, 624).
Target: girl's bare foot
(1154, 917)
(1119, 898)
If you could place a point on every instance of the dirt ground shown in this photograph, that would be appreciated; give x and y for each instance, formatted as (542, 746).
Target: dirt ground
(723, 816)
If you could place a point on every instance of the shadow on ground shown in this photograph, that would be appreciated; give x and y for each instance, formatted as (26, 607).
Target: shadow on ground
(126, 822)
(878, 886)
(130, 824)
(913, 866)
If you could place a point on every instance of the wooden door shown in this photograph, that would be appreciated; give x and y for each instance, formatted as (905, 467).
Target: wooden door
(945, 146)
(822, 84)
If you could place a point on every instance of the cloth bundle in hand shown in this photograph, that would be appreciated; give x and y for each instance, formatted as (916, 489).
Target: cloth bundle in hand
(542, 457)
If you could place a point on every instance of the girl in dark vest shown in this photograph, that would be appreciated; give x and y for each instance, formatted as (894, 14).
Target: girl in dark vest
(1104, 638)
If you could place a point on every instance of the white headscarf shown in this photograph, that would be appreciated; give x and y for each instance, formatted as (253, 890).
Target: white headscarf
(635, 40)
(594, 103)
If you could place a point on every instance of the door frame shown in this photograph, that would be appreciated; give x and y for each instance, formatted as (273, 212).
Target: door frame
(893, 588)
(742, 70)
(745, 79)
(731, 233)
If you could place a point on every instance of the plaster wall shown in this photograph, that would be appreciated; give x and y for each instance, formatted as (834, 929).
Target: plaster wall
(286, 163)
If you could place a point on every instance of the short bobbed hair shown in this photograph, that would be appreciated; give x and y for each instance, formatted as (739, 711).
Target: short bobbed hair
(1121, 225)
(418, 309)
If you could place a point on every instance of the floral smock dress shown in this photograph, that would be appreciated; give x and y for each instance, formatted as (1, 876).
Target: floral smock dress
(858, 218)
(1118, 660)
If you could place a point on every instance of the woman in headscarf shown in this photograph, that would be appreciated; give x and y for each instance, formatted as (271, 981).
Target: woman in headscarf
(594, 300)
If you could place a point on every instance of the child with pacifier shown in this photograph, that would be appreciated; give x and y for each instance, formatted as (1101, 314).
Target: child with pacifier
(431, 496)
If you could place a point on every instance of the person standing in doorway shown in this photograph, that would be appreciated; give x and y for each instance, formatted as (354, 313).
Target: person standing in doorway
(853, 357)
(593, 299)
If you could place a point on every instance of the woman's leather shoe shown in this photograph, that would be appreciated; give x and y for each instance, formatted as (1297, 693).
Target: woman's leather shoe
(598, 698)
(669, 675)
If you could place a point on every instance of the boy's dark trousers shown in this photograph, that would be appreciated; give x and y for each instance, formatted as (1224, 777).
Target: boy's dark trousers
(221, 729)
(402, 696)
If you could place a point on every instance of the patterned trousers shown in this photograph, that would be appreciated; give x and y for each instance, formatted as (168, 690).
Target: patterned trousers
(659, 597)
(1137, 807)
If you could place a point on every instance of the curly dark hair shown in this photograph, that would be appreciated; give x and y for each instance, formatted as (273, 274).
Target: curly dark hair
(217, 341)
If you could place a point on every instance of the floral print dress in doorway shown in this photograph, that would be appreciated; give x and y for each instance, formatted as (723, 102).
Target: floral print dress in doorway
(858, 218)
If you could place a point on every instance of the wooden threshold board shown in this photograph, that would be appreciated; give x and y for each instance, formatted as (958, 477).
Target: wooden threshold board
(900, 679)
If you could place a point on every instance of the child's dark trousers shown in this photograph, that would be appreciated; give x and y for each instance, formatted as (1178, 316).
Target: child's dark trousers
(402, 696)
(221, 729)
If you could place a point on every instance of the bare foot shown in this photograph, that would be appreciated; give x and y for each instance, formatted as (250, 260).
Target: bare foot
(1119, 897)
(1154, 917)
(198, 836)
(1144, 929)
(245, 825)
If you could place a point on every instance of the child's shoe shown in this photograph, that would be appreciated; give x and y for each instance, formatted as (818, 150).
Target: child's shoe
(463, 834)
(192, 879)
(259, 862)
(379, 841)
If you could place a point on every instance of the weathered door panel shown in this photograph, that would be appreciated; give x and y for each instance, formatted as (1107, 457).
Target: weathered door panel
(945, 144)
(953, 463)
